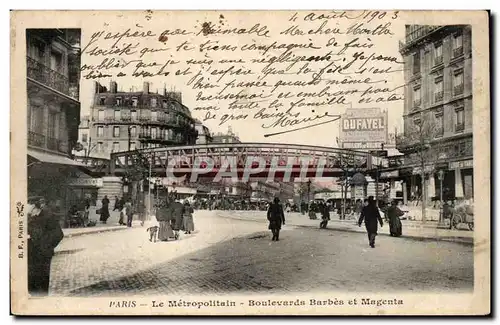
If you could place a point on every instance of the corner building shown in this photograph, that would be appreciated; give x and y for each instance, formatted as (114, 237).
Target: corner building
(124, 121)
(438, 89)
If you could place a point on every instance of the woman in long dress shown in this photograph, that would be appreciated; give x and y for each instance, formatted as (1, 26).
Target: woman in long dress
(393, 214)
(187, 215)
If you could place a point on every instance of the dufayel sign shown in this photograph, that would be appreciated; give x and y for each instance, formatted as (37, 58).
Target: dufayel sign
(367, 125)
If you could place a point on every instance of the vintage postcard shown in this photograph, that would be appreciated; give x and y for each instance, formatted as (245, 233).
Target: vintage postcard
(250, 162)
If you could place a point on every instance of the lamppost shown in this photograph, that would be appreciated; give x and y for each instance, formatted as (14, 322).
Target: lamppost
(441, 223)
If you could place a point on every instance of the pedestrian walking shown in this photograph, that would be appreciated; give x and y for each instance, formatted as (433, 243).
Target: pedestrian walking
(129, 212)
(325, 215)
(117, 204)
(393, 214)
(276, 218)
(45, 234)
(370, 214)
(187, 216)
(105, 209)
(176, 217)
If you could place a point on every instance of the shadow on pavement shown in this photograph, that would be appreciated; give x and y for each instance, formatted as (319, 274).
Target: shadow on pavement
(304, 260)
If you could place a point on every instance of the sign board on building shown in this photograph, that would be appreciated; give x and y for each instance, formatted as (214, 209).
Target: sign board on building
(462, 164)
(364, 127)
(84, 182)
(391, 174)
(418, 170)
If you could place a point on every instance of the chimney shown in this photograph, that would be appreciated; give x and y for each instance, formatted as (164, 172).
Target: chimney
(145, 88)
(164, 90)
(113, 87)
(96, 87)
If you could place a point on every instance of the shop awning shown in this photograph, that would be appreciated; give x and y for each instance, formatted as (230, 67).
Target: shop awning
(53, 159)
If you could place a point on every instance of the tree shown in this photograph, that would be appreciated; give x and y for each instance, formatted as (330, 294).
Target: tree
(423, 150)
(350, 164)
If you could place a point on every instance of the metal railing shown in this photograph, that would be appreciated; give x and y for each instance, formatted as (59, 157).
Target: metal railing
(42, 141)
(438, 96)
(36, 139)
(51, 78)
(458, 51)
(458, 90)
(459, 127)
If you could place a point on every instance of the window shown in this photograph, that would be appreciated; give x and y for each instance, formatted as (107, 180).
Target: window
(165, 103)
(416, 63)
(458, 82)
(133, 131)
(117, 115)
(84, 137)
(154, 116)
(116, 146)
(100, 147)
(153, 102)
(459, 119)
(118, 101)
(100, 131)
(132, 146)
(133, 115)
(100, 116)
(438, 53)
(153, 133)
(102, 101)
(135, 101)
(416, 97)
(416, 120)
(458, 48)
(56, 61)
(439, 124)
(438, 89)
(116, 131)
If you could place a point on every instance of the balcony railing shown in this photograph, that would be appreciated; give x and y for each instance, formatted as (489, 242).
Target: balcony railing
(458, 90)
(459, 127)
(417, 102)
(42, 141)
(458, 51)
(438, 60)
(42, 73)
(438, 96)
(438, 133)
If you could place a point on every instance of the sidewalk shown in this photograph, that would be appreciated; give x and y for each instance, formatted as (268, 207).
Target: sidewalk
(111, 225)
(411, 229)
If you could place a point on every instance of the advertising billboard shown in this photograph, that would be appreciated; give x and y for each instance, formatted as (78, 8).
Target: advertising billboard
(363, 128)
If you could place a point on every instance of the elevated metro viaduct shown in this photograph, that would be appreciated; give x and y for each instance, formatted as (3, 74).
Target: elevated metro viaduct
(208, 159)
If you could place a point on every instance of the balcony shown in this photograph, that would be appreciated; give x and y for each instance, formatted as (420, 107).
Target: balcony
(416, 35)
(45, 75)
(458, 51)
(36, 139)
(438, 96)
(44, 142)
(417, 103)
(459, 127)
(458, 90)
(438, 60)
(439, 132)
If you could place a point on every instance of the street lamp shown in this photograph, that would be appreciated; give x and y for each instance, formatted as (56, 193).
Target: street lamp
(441, 223)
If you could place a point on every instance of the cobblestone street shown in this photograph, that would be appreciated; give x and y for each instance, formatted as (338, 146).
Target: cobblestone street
(228, 255)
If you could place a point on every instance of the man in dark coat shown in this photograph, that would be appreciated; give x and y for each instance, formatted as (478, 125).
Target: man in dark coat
(45, 234)
(371, 215)
(105, 209)
(276, 218)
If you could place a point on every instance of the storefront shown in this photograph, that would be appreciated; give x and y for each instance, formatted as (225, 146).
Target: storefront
(83, 188)
(464, 178)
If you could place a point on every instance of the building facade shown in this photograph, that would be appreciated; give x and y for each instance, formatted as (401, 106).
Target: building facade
(437, 139)
(204, 135)
(228, 137)
(53, 112)
(124, 121)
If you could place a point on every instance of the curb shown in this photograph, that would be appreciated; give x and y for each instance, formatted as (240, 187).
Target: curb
(451, 239)
(93, 232)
